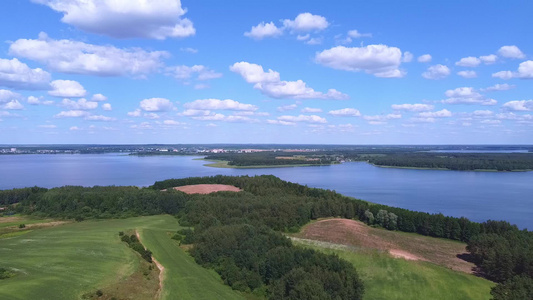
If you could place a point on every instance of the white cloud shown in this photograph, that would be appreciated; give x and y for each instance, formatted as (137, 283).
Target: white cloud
(151, 116)
(224, 118)
(467, 74)
(135, 113)
(269, 83)
(303, 37)
(499, 87)
(356, 34)
(278, 122)
(468, 62)
(189, 50)
(311, 110)
(186, 72)
(106, 106)
(71, 114)
(503, 75)
(436, 72)
(466, 95)
(314, 41)
(519, 105)
(382, 118)
(488, 59)
(422, 120)
(216, 104)
(7, 95)
(67, 88)
(287, 107)
(194, 112)
(482, 113)
(125, 19)
(99, 118)
(81, 104)
(156, 104)
(493, 122)
(13, 105)
(201, 86)
(407, 57)
(511, 52)
(33, 100)
(74, 57)
(424, 58)
(263, 30)
(378, 60)
(17, 75)
(525, 71)
(306, 22)
(436, 114)
(99, 98)
(417, 107)
(75, 128)
(172, 123)
(303, 118)
(345, 112)
(47, 126)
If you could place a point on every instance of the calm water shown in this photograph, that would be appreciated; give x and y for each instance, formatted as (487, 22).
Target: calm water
(476, 195)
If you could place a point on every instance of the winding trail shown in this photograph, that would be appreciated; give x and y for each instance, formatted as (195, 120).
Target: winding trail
(159, 266)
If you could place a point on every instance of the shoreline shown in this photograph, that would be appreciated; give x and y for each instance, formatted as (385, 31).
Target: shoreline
(223, 164)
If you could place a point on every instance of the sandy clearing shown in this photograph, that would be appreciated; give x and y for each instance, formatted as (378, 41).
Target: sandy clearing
(159, 266)
(207, 188)
(397, 244)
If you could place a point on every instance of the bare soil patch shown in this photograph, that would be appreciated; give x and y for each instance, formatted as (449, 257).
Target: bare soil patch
(207, 188)
(398, 244)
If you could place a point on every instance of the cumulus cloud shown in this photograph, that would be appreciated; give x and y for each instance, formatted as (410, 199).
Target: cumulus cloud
(81, 104)
(263, 30)
(436, 72)
(74, 57)
(17, 75)
(525, 71)
(499, 87)
(287, 107)
(492, 122)
(189, 50)
(407, 57)
(224, 118)
(306, 22)
(519, 105)
(488, 59)
(7, 95)
(33, 100)
(511, 52)
(466, 95)
(186, 72)
(67, 88)
(278, 122)
(345, 112)
(378, 60)
(436, 114)
(13, 105)
(106, 106)
(424, 58)
(468, 62)
(269, 83)
(125, 19)
(99, 118)
(382, 118)
(482, 113)
(417, 107)
(303, 118)
(135, 113)
(156, 105)
(216, 104)
(99, 98)
(311, 110)
(172, 123)
(467, 74)
(72, 114)
(356, 34)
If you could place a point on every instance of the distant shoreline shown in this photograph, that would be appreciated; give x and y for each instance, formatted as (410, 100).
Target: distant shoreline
(224, 164)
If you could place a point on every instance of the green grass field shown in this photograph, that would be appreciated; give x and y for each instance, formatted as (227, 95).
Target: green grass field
(66, 261)
(388, 278)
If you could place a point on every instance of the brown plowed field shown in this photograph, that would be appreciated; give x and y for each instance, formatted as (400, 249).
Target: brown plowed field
(398, 244)
(207, 188)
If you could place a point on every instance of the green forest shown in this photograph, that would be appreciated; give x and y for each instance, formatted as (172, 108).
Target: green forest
(239, 235)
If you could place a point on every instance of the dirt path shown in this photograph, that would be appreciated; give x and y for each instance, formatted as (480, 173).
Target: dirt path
(207, 188)
(397, 244)
(159, 266)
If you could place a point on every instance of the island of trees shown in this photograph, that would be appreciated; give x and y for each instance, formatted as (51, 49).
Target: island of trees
(240, 235)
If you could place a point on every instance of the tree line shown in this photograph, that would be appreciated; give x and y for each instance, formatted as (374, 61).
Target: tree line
(268, 206)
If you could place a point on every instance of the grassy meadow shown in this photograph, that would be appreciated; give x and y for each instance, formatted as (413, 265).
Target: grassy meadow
(388, 278)
(67, 261)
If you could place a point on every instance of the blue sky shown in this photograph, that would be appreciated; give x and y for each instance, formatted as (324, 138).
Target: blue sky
(320, 72)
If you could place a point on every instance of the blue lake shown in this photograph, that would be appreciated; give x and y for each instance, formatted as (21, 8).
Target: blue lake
(476, 195)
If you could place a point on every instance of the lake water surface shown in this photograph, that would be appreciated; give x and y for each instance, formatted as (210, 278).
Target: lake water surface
(476, 195)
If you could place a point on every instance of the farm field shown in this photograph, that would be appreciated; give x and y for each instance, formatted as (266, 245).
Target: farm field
(410, 267)
(67, 261)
